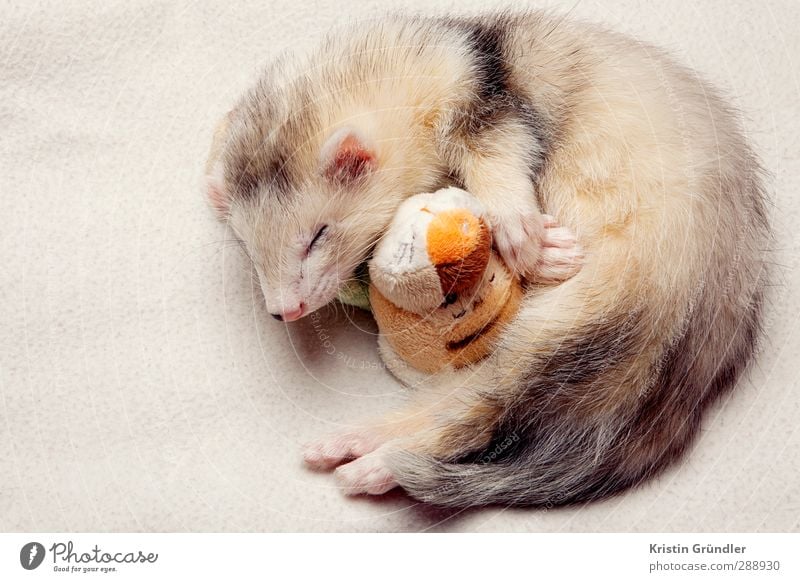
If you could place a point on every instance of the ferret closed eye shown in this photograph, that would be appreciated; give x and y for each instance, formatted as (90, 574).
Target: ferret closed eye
(618, 189)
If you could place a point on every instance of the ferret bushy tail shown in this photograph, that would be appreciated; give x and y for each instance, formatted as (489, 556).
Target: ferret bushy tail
(602, 410)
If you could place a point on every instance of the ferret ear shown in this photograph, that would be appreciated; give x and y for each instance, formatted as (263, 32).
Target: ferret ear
(218, 193)
(346, 157)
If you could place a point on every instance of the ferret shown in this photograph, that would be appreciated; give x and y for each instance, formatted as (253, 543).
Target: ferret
(629, 329)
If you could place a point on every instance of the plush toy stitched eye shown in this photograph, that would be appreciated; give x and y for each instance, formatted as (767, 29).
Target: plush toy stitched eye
(450, 298)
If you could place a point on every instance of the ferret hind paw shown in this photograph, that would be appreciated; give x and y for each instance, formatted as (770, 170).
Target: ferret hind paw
(368, 475)
(331, 451)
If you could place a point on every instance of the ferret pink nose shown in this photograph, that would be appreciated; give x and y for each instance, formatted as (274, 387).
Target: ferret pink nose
(291, 314)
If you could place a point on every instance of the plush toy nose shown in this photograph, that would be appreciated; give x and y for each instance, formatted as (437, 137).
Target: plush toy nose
(452, 236)
(459, 246)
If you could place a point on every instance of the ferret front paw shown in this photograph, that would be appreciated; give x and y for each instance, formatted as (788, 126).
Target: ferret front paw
(336, 449)
(518, 237)
(368, 475)
(562, 257)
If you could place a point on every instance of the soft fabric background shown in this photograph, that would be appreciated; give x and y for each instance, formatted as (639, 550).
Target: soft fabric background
(142, 385)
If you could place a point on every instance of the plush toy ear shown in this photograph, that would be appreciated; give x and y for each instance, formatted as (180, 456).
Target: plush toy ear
(346, 158)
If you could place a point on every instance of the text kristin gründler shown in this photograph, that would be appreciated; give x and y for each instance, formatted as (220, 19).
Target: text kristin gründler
(66, 554)
(696, 549)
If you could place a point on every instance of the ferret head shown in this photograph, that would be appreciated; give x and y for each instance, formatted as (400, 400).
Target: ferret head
(306, 194)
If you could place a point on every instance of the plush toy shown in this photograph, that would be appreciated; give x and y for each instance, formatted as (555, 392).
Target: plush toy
(439, 293)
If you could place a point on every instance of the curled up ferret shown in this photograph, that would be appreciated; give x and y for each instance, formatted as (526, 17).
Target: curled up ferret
(620, 344)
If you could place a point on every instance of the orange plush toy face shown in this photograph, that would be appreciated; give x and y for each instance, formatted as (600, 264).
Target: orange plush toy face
(439, 294)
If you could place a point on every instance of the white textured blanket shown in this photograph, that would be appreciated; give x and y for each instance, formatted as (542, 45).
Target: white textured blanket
(142, 384)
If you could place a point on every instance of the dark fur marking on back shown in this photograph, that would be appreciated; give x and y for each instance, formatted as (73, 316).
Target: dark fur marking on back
(496, 100)
(487, 41)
